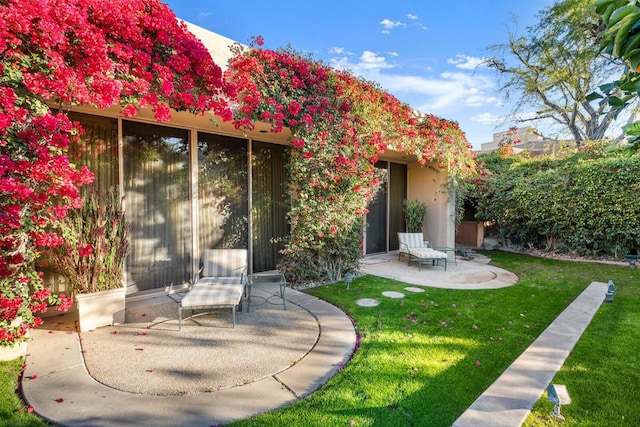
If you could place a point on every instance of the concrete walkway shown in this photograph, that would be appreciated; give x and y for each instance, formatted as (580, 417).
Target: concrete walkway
(509, 400)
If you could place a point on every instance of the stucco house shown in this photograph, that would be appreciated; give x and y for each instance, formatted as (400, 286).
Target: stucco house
(196, 183)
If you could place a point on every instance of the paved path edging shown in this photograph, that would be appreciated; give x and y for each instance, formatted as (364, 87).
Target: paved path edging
(508, 401)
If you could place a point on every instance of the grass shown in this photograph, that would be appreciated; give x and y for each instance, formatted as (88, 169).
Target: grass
(13, 412)
(425, 358)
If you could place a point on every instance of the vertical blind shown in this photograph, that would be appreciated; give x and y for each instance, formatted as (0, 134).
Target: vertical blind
(222, 192)
(376, 233)
(397, 196)
(269, 224)
(99, 149)
(156, 181)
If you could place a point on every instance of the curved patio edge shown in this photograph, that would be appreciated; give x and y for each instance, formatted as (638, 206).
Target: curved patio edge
(57, 385)
(463, 274)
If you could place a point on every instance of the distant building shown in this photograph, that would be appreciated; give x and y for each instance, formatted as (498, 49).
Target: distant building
(524, 139)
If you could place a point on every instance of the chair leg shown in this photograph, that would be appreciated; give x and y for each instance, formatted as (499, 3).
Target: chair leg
(233, 311)
(179, 318)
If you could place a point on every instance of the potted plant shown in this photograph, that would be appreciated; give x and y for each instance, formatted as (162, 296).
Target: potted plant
(97, 243)
(414, 213)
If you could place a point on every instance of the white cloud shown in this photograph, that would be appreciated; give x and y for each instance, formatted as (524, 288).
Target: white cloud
(393, 54)
(440, 94)
(389, 25)
(486, 118)
(412, 16)
(369, 62)
(202, 16)
(336, 50)
(465, 62)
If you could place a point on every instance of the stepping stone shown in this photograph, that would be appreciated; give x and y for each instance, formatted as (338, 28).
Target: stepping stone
(367, 302)
(412, 289)
(393, 294)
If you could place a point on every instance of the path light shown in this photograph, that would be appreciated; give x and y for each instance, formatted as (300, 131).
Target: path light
(558, 395)
(348, 278)
(610, 290)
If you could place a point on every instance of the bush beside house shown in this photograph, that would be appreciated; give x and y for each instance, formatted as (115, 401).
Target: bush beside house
(586, 203)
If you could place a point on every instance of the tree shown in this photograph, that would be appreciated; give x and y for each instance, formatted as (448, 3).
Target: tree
(620, 38)
(557, 65)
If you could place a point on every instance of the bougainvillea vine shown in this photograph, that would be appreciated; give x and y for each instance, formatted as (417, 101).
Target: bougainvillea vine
(60, 53)
(340, 125)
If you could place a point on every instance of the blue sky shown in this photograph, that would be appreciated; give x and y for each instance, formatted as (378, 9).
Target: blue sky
(424, 52)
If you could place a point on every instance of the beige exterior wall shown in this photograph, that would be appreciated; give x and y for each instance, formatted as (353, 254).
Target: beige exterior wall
(430, 187)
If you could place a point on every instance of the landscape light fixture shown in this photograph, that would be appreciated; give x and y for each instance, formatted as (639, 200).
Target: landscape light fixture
(348, 278)
(558, 395)
(611, 288)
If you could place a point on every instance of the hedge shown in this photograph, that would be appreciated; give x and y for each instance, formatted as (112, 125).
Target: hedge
(587, 204)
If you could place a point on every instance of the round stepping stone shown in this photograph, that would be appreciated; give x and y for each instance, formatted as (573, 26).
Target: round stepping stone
(393, 294)
(367, 302)
(412, 289)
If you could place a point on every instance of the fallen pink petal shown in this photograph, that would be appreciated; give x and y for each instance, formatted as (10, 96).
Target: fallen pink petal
(60, 400)
(478, 363)
(34, 376)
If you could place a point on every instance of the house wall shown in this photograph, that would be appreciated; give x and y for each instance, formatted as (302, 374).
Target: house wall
(430, 187)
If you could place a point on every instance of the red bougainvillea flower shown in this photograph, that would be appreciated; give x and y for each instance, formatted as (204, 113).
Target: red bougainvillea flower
(340, 125)
(132, 53)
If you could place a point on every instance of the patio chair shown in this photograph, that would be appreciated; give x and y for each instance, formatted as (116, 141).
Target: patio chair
(415, 248)
(222, 266)
(220, 283)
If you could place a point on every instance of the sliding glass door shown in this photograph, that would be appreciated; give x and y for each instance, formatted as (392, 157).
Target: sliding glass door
(222, 192)
(386, 211)
(268, 213)
(156, 182)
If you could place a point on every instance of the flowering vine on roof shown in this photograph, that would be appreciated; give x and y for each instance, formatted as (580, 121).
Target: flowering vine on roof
(340, 124)
(132, 53)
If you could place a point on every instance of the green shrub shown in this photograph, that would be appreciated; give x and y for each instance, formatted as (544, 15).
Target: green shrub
(586, 203)
(414, 213)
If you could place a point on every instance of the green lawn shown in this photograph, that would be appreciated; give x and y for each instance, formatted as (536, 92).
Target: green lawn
(13, 412)
(425, 358)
